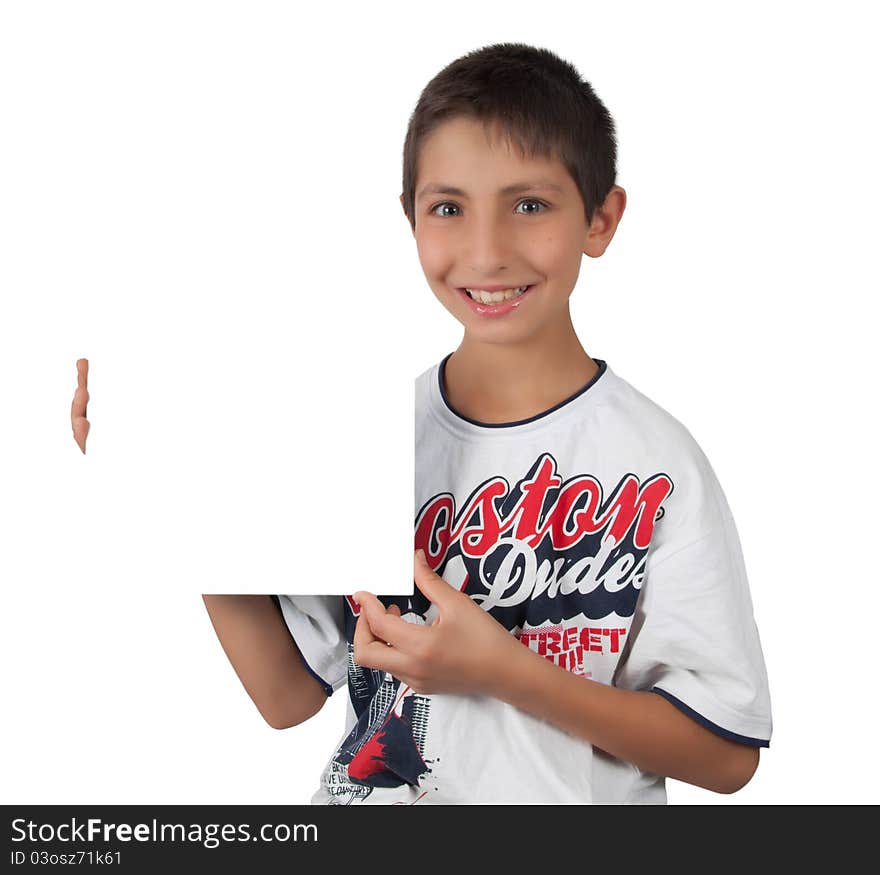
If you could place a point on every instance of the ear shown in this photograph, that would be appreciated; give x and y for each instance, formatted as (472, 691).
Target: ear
(605, 221)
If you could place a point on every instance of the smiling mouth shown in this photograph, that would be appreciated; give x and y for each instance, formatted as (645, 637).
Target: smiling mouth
(496, 297)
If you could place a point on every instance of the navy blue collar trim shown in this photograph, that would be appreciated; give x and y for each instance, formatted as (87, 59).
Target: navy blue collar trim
(441, 371)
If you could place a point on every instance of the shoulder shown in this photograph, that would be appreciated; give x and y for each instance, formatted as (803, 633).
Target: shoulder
(648, 425)
(640, 436)
(423, 384)
(424, 378)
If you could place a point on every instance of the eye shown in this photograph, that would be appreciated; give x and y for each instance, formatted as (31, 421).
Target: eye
(533, 201)
(538, 203)
(437, 206)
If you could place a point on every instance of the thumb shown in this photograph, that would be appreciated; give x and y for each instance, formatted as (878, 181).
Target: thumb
(428, 581)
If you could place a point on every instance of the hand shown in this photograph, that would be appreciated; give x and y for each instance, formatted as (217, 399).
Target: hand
(78, 408)
(465, 650)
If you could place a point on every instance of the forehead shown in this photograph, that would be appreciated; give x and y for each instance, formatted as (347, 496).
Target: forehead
(462, 153)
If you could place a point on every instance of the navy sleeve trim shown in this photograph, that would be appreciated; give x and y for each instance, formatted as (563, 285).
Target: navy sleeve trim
(324, 685)
(708, 724)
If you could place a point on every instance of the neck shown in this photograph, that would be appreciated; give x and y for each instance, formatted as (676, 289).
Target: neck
(493, 382)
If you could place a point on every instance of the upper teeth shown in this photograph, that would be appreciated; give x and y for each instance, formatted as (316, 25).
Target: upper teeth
(495, 297)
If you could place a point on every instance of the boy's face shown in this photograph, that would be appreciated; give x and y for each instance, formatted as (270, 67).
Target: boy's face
(484, 236)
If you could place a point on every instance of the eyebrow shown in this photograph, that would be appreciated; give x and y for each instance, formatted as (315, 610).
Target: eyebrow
(538, 184)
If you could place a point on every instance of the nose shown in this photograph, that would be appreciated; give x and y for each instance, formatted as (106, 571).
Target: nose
(487, 244)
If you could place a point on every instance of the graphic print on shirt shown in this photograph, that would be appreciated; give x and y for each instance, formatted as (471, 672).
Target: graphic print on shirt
(385, 746)
(557, 563)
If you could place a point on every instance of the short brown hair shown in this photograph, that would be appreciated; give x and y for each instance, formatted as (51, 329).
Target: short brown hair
(541, 104)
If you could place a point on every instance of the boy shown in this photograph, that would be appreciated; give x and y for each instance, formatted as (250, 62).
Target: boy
(581, 624)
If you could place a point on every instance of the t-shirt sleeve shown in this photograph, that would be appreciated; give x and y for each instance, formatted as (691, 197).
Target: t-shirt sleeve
(316, 624)
(693, 638)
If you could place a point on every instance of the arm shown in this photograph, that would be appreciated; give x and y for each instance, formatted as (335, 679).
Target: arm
(466, 650)
(265, 657)
(638, 726)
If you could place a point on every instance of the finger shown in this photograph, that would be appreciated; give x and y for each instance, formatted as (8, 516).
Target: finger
(363, 635)
(369, 648)
(79, 403)
(393, 609)
(82, 373)
(378, 655)
(430, 584)
(80, 432)
(388, 627)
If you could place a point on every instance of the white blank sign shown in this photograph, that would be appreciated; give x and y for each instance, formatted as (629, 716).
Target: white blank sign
(185, 205)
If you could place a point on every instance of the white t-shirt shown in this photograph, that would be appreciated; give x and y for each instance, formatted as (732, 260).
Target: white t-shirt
(597, 534)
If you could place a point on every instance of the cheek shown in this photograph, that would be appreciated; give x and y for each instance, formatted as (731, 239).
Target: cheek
(434, 258)
(555, 252)
(561, 258)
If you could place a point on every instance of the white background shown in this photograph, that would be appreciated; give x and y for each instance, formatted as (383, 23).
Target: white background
(738, 294)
